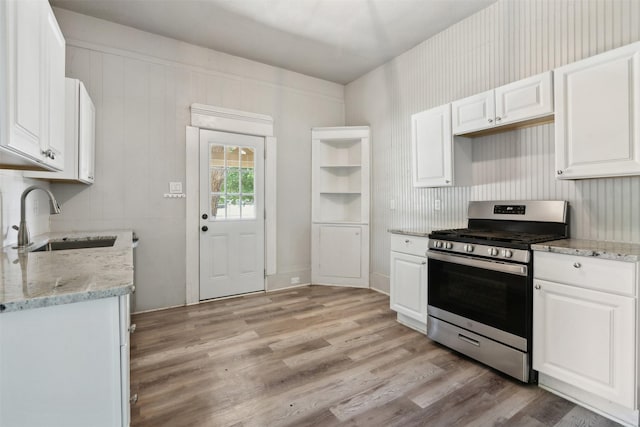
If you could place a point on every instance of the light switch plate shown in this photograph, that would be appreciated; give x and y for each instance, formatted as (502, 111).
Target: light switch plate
(175, 187)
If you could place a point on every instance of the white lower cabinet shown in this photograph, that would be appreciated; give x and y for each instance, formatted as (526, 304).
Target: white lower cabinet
(66, 365)
(584, 332)
(408, 286)
(340, 254)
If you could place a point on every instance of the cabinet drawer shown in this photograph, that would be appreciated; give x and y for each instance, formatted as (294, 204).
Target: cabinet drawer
(409, 244)
(599, 274)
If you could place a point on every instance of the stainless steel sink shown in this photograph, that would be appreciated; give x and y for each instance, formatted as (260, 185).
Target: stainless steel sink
(76, 243)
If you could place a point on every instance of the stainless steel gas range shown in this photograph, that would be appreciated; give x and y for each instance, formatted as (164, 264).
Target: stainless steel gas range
(480, 281)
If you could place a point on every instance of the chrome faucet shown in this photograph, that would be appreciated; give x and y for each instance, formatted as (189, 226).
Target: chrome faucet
(23, 231)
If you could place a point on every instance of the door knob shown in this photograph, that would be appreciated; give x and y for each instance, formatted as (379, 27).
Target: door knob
(205, 216)
(205, 228)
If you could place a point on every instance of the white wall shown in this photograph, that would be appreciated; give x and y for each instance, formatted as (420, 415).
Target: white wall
(12, 184)
(142, 86)
(508, 41)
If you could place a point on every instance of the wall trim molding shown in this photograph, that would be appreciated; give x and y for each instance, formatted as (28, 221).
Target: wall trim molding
(228, 120)
(236, 121)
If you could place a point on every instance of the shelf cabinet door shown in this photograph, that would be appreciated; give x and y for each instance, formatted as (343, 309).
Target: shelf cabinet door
(339, 253)
(586, 339)
(474, 113)
(597, 129)
(409, 286)
(524, 99)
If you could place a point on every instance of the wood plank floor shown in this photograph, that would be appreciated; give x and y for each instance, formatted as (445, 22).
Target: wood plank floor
(319, 356)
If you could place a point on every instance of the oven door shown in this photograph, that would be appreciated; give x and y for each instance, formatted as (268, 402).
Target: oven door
(490, 298)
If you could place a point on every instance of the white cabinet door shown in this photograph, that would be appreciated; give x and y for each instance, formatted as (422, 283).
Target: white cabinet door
(339, 251)
(24, 85)
(431, 139)
(438, 159)
(86, 136)
(340, 254)
(79, 150)
(61, 365)
(586, 338)
(524, 99)
(53, 141)
(125, 331)
(409, 286)
(473, 113)
(597, 129)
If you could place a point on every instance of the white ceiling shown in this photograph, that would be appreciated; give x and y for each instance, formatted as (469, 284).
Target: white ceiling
(336, 40)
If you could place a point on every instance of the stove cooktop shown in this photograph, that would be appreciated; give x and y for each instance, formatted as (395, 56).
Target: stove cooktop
(493, 236)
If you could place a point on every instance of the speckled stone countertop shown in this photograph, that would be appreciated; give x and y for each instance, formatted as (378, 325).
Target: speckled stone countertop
(607, 250)
(417, 233)
(41, 279)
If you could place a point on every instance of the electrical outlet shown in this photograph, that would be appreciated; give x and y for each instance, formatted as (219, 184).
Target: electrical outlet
(437, 205)
(36, 207)
(175, 187)
(295, 280)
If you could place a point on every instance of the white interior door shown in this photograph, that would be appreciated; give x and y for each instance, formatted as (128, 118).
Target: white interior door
(231, 214)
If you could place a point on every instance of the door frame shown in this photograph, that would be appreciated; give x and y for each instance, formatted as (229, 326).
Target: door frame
(235, 121)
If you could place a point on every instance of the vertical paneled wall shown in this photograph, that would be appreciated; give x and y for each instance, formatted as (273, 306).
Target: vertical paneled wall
(508, 41)
(143, 86)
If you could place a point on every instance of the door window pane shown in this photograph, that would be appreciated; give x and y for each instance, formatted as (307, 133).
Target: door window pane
(218, 207)
(217, 180)
(248, 207)
(232, 182)
(217, 156)
(233, 206)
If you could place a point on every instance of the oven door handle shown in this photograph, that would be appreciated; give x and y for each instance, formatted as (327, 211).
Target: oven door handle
(520, 270)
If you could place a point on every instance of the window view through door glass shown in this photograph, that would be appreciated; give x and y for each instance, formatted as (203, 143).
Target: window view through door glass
(232, 182)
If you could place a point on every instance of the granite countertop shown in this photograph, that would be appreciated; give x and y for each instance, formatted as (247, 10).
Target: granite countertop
(629, 252)
(417, 233)
(41, 279)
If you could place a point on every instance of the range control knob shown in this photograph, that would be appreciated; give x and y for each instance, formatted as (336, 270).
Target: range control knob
(508, 253)
(437, 244)
(493, 251)
(468, 248)
(448, 245)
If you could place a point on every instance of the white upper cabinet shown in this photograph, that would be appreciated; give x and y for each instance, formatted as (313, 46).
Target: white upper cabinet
(474, 113)
(597, 131)
(31, 86)
(21, 79)
(437, 159)
(53, 107)
(79, 121)
(526, 100)
(86, 130)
